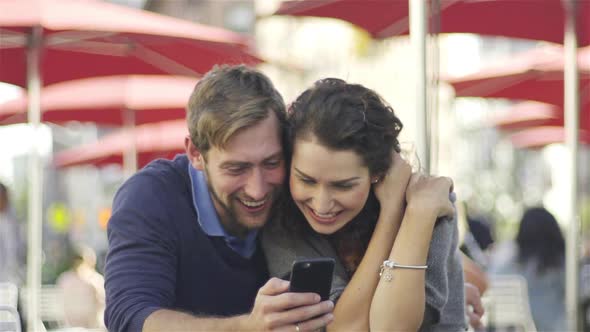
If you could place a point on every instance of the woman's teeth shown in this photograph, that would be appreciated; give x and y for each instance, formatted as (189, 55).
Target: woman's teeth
(324, 215)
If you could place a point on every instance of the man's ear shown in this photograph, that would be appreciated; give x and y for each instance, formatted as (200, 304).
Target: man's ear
(195, 156)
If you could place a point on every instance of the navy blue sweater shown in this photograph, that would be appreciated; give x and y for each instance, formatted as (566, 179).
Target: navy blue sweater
(160, 258)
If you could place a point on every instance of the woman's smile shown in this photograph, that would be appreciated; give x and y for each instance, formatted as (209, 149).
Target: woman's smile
(323, 218)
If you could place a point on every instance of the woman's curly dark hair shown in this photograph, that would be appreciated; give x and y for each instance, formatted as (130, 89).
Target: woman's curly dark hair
(346, 116)
(343, 116)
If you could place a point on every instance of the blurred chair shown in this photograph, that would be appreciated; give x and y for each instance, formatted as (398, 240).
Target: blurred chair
(8, 294)
(9, 319)
(9, 316)
(50, 306)
(507, 305)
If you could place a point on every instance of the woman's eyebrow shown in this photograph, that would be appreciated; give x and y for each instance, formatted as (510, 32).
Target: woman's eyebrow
(333, 182)
(345, 181)
(301, 173)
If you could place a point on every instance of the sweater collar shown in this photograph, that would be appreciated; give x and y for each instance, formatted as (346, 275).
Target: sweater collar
(208, 219)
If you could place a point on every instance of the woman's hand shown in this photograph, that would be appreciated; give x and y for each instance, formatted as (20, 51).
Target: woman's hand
(429, 196)
(392, 186)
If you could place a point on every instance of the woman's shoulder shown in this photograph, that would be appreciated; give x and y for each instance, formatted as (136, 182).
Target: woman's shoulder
(282, 246)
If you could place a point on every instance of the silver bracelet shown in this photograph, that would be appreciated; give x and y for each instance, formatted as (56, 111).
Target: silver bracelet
(387, 266)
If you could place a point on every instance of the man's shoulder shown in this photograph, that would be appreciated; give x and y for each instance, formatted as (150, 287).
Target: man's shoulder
(162, 172)
(160, 179)
(166, 168)
(156, 197)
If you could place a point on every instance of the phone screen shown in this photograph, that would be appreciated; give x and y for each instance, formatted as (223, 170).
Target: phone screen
(312, 275)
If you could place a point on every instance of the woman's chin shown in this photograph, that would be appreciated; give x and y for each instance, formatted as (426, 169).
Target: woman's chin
(324, 229)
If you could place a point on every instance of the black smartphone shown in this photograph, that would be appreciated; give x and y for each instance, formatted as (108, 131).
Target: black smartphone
(312, 275)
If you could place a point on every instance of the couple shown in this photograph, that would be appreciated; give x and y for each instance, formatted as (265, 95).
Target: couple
(187, 247)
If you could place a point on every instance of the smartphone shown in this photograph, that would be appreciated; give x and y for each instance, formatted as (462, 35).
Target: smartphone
(312, 275)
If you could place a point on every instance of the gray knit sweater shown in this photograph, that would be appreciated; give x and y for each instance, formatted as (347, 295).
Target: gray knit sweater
(445, 309)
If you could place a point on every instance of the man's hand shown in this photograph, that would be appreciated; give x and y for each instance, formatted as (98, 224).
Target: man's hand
(276, 309)
(474, 307)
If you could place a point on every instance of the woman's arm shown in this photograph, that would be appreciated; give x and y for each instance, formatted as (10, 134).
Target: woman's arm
(398, 303)
(352, 309)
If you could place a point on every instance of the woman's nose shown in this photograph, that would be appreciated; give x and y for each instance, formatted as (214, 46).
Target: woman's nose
(322, 201)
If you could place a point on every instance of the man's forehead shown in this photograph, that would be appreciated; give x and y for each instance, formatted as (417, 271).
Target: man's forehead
(251, 155)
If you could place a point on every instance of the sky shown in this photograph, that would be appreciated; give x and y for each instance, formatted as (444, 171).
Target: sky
(16, 140)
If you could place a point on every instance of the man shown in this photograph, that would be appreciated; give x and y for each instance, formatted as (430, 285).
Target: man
(183, 253)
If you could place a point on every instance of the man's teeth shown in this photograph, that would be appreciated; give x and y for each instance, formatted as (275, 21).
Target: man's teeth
(253, 203)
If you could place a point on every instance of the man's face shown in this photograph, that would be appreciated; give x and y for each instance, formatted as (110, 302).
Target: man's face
(246, 177)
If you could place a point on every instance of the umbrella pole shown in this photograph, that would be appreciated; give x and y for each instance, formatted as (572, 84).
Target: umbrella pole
(418, 40)
(130, 153)
(35, 192)
(572, 110)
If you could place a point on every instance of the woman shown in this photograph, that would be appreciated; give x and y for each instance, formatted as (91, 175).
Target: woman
(538, 255)
(355, 199)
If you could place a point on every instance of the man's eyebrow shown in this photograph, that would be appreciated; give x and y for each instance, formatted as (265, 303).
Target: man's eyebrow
(278, 155)
(333, 182)
(231, 163)
(236, 163)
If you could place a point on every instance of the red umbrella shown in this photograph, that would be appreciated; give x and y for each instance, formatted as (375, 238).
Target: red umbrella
(526, 114)
(157, 140)
(111, 100)
(541, 136)
(108, 100)
(531, 114)
(93, 38)
(532, 75)
(528, 19)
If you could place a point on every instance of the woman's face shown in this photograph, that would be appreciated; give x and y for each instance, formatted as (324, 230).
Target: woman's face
(330, 187)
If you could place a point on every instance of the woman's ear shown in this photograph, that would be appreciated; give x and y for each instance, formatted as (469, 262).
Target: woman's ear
(195, 157)
(376, 178)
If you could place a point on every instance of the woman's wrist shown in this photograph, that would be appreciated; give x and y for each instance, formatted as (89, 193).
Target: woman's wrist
(393, 211)
(420, 213)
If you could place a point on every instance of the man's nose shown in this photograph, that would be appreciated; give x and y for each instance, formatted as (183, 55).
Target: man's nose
(256, 185)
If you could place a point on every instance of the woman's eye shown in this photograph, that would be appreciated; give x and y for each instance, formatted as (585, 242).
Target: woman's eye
(343, 186)
(307, 181)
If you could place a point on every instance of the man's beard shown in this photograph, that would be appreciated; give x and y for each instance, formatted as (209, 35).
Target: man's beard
(230, 220)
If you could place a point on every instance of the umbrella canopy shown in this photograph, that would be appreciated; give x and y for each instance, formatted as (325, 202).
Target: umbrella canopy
(152, 141)
(534, 114)
(95, 38)
(539, 137)
(526, 114)
(531, 75)
(106, 100)
(537, 20)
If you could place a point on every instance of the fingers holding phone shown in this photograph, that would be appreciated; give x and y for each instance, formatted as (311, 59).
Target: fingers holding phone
(277, 309)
